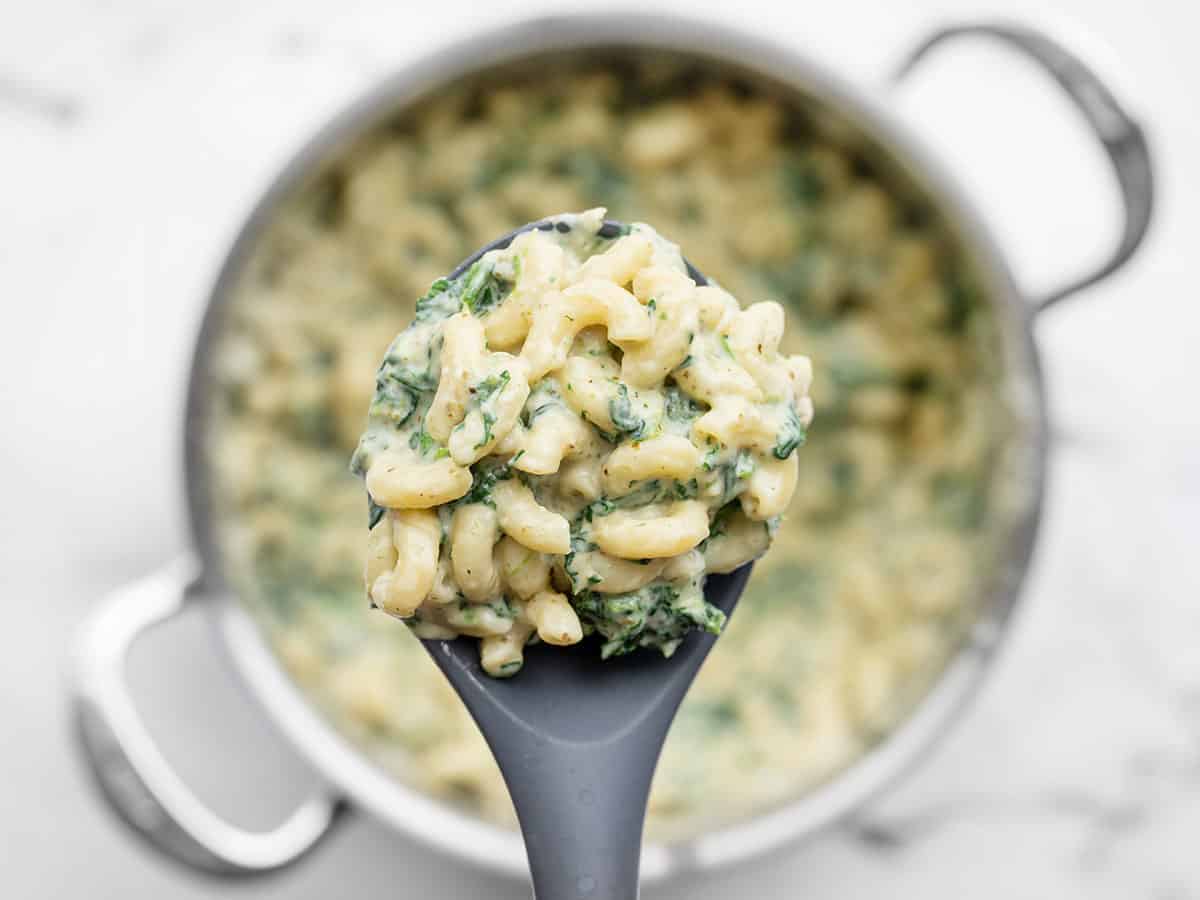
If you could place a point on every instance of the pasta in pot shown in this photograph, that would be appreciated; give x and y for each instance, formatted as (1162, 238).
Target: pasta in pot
(879, 563)
(683, 415)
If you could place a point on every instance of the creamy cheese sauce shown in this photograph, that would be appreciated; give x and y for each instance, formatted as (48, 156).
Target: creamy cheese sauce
(885, 546)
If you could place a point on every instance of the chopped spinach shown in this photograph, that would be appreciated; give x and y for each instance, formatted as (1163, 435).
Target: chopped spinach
(479, 289)
(439, 302)
(625, 420)
(482, 291)
(529, 416)
(720, 522)
(791, 435)
(680, 407)
(484, 480)
(490, 387)
(421, 382)
(601, 507)
(733, 474)
(425, 445)
(654, 490)
(375, 512)
(395, 401)
(510, 668)
(658, 615)
(687, 490)
(743, 466)
(493, 384)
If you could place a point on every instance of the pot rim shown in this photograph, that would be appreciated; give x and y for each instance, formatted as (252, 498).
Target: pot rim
(466, 836)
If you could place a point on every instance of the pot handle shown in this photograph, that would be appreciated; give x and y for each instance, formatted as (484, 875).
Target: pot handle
(134, 777)
(1119, 133)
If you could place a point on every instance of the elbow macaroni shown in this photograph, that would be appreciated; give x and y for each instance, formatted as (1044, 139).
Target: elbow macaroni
(574, 411)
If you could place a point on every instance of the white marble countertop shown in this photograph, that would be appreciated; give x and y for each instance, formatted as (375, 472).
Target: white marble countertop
(133, 136)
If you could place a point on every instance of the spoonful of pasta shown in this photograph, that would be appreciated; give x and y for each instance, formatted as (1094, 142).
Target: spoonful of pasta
(573, 454)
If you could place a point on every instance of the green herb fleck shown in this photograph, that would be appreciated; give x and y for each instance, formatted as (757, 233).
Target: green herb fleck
(424, 443)
(791, 435)
(680, 407)
(439, 302)
(744, 467)
(484, 391)
(482, 291)
(484, 479)
(624, 419)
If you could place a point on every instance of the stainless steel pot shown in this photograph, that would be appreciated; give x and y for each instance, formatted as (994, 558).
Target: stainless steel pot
(150, 797)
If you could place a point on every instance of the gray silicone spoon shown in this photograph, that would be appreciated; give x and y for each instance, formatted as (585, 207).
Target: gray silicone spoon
(578, 738)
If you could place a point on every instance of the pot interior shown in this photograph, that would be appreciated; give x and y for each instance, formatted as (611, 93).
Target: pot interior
(913, 506)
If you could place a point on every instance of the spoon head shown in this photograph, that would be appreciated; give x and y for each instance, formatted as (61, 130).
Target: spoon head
(571, 694)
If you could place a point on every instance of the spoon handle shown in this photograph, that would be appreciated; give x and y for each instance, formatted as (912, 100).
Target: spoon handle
(582, 808)
(578, 746)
